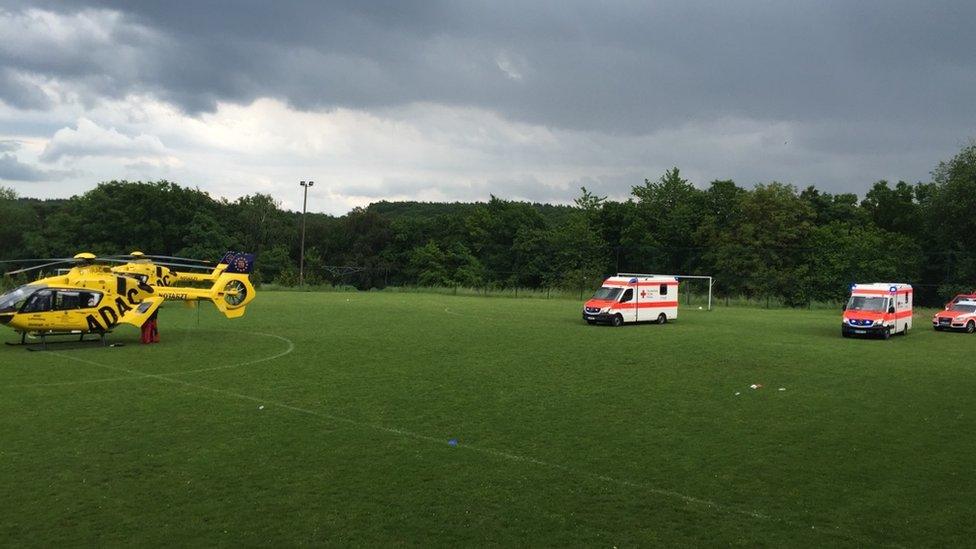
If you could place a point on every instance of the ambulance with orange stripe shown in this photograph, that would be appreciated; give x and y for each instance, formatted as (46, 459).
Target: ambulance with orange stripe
(625, 298)
(879, 310)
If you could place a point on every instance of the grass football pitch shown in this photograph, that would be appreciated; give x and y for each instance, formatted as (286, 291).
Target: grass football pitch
(411, 419)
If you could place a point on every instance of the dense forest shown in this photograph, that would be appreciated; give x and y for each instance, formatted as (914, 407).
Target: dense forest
(771, 240)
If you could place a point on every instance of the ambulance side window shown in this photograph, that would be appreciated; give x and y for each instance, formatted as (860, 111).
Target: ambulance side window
(628, 295)
(664, 289)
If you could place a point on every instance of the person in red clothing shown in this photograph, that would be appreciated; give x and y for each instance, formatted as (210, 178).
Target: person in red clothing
(150, 329)
(146, 327)
(154, 330)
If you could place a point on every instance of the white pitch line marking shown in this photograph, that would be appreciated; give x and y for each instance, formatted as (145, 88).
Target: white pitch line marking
(835, 532)
(288, 349)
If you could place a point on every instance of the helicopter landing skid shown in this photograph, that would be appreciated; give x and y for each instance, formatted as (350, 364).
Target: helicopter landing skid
(43, 346)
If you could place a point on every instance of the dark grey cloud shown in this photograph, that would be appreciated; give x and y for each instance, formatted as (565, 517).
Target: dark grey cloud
(17, 91)
(627, 66)
(869, 89)
(12, 169)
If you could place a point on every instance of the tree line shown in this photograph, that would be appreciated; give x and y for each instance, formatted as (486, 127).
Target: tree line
(769, 240)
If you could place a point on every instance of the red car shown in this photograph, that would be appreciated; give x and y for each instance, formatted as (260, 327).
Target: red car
(959, 315)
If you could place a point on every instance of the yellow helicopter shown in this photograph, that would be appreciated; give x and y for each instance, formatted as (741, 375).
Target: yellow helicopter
(151, 270)
(92, 298)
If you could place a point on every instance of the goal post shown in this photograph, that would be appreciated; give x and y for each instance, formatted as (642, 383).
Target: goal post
(680, 278)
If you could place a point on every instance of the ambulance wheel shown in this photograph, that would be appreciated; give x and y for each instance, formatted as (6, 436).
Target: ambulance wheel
(617, 320)
(662, 318)
(971, 327)
(886, 334)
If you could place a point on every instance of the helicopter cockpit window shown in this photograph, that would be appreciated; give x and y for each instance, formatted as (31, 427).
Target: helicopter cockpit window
(40, 302)
(14, 300)
(90, 299)
(66, 300)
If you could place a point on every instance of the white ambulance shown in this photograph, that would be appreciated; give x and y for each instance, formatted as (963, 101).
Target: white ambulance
(625, 298)
(880, 309)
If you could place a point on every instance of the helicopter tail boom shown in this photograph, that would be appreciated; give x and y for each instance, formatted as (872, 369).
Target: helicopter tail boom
(183, 276)
(230, 293)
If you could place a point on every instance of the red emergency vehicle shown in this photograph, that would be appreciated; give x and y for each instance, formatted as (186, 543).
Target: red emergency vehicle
(959, 315)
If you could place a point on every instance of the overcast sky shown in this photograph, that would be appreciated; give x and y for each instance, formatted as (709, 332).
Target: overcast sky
(456, 100)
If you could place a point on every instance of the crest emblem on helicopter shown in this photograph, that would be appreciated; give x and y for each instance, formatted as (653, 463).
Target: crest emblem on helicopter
(241, 263)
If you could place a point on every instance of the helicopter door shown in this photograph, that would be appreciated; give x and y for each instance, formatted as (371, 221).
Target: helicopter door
(39, 310)
(71, 305)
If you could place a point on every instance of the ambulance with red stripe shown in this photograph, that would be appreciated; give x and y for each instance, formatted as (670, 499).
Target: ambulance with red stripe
(879, 310)
(626, 298)
(959, 315)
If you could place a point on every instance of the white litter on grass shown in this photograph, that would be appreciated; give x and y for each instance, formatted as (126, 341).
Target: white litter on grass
(782, 388)
(756, 386)
(261, 407)
(699, 307)
(737, 393)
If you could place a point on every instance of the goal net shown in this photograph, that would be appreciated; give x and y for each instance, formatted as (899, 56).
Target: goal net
(693, 290)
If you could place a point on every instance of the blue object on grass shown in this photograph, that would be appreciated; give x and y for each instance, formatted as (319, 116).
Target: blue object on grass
(453, 442)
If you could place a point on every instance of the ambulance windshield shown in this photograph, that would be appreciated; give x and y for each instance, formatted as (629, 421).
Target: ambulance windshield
(607, 293)
(862, 303)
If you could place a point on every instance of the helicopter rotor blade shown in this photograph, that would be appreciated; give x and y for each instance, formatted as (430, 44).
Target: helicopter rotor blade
(15, 261)
(36, 267)
(161, 263)
(185, 259)
(112, 259)
(164, 264)
(131, 257)
(184, 266)
(202, 265)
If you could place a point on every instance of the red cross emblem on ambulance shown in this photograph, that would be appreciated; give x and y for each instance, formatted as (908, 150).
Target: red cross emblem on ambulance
(643, 294)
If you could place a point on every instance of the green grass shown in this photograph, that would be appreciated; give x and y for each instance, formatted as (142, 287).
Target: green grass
(569, 434)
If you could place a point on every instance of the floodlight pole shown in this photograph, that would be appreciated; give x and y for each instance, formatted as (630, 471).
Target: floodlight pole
(301, 264)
